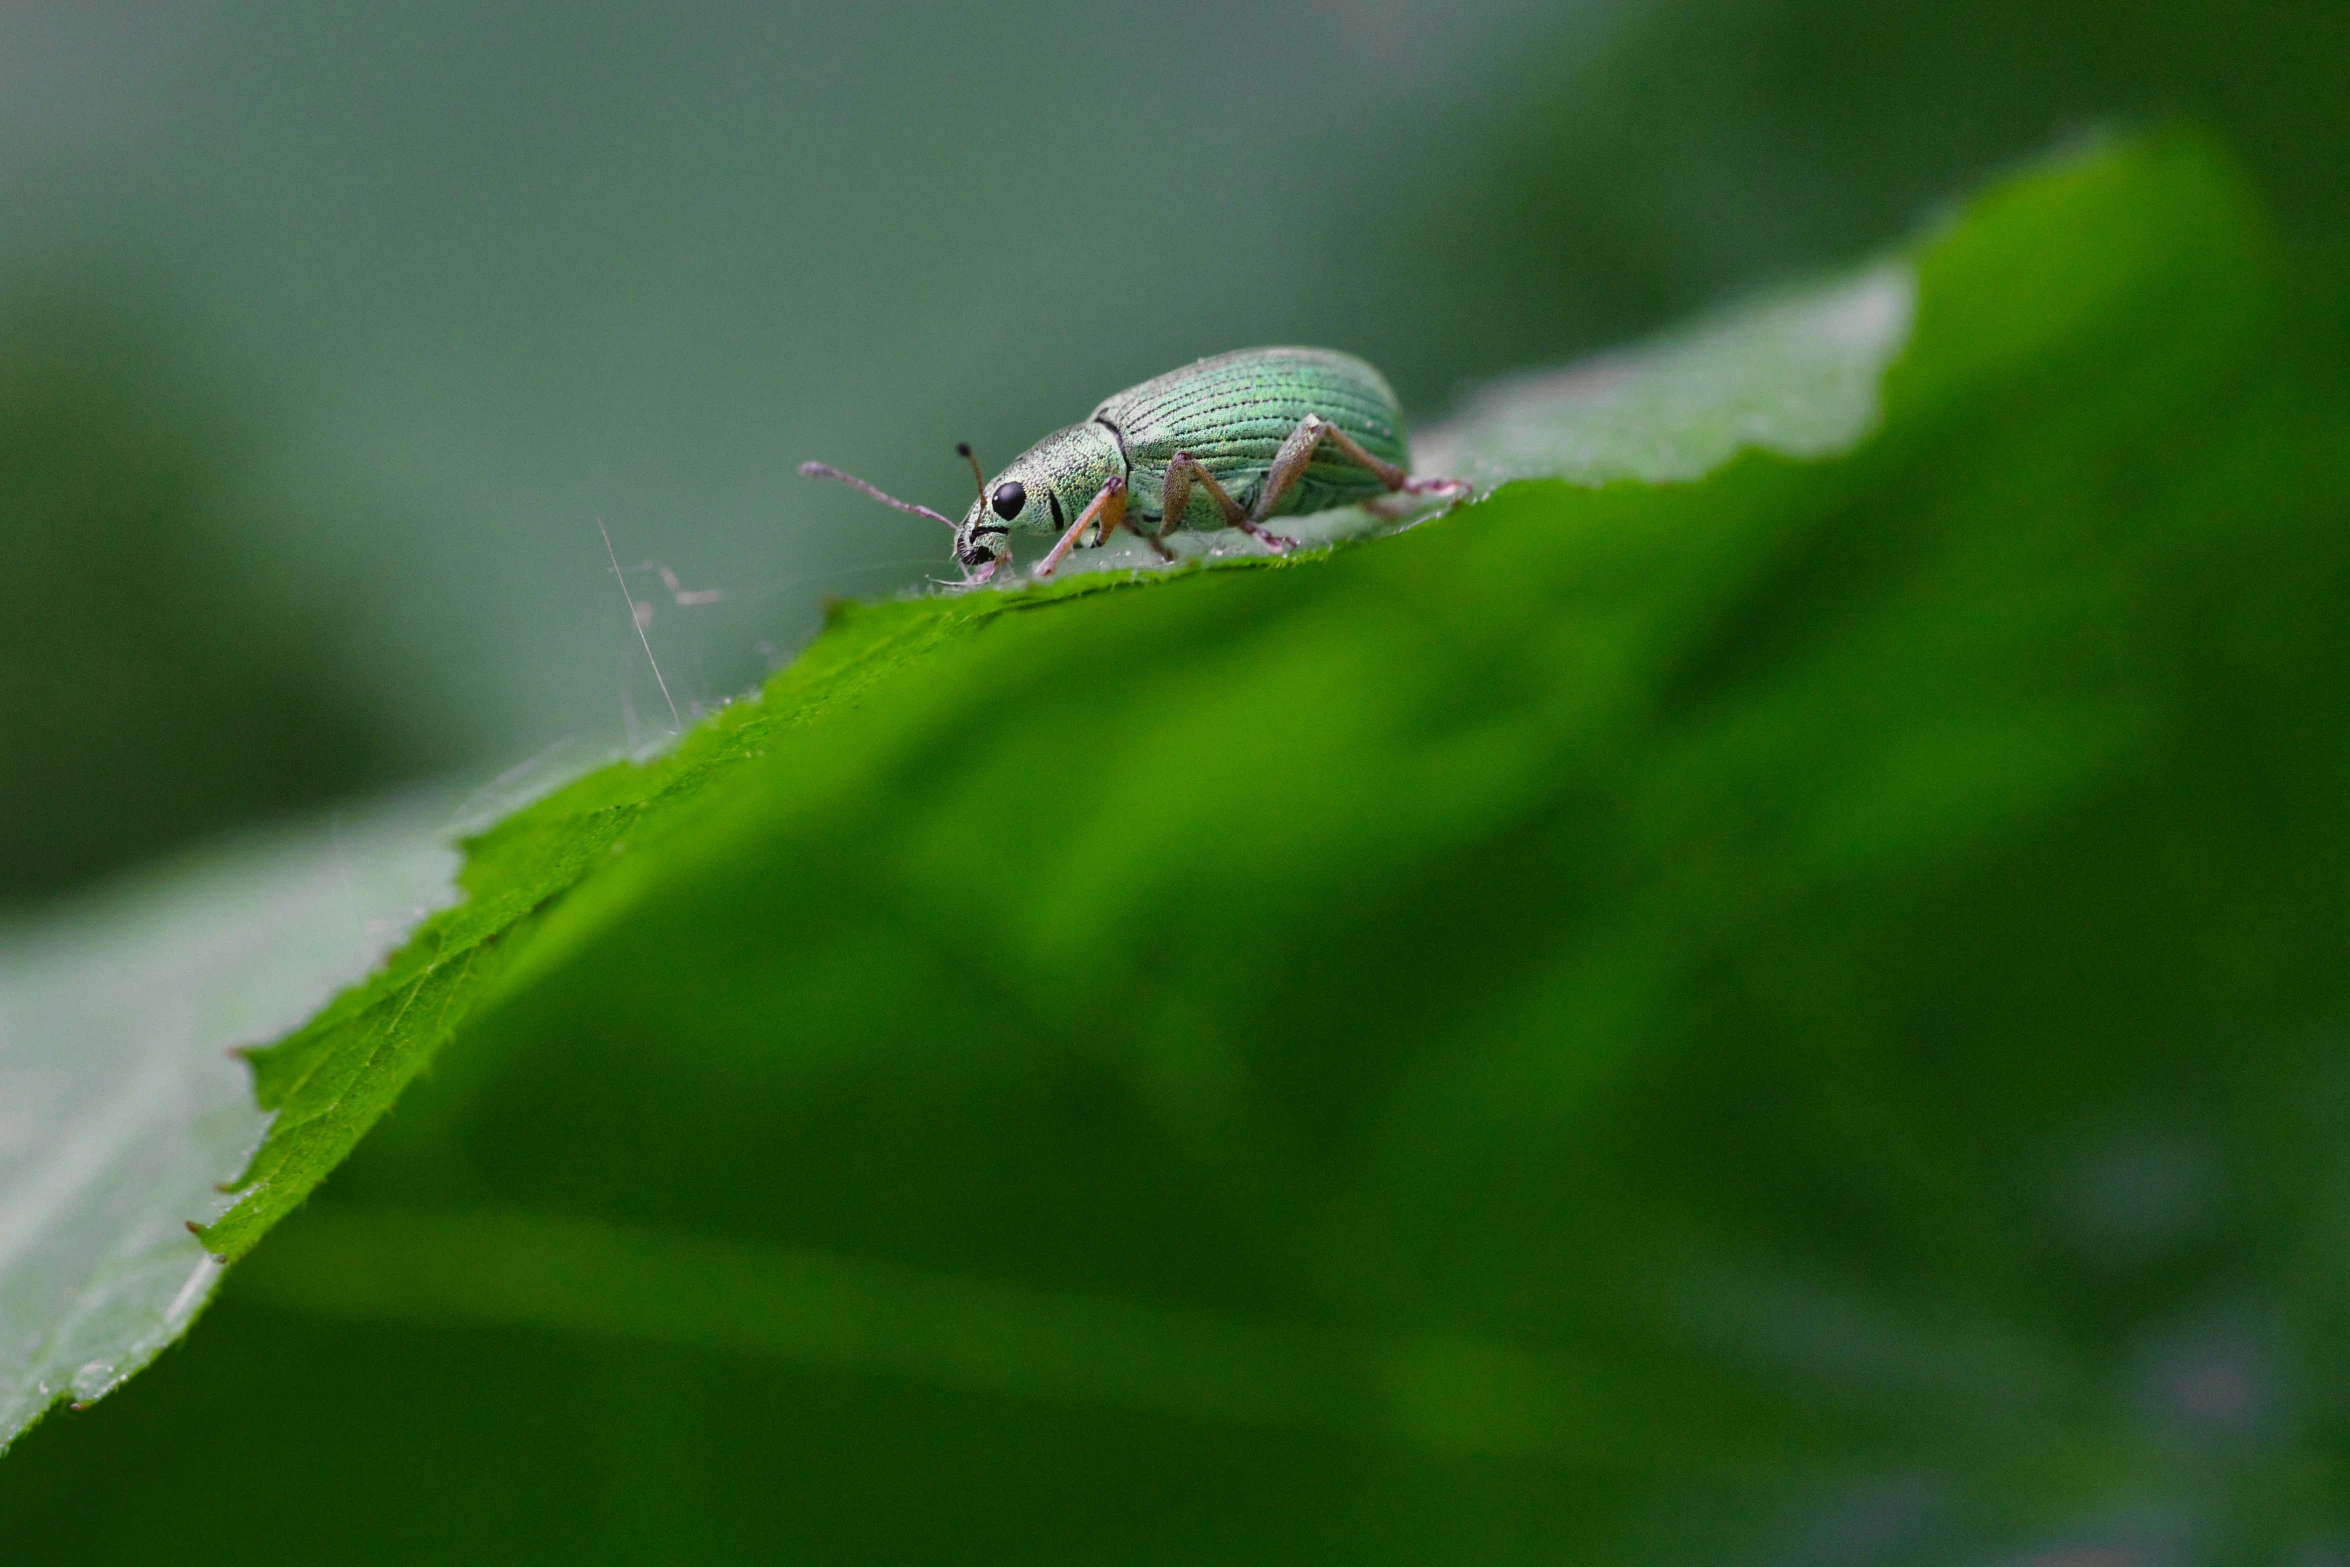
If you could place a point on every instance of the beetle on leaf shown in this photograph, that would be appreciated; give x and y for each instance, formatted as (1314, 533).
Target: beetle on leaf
(1228, 442)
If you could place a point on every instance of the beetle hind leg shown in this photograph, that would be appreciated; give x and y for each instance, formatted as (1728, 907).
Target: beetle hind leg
(1290, 462)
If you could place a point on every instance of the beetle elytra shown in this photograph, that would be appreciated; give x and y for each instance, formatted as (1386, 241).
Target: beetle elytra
(1228, 442)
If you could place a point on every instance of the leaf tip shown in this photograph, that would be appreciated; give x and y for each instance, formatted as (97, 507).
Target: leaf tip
(203, 1238)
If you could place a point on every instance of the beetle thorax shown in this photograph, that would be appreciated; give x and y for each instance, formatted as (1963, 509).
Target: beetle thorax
(1043, 490)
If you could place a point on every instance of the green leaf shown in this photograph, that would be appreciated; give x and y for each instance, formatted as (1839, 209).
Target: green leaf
(333, 1078)
(1797, 376)
(119, 1111)
(1789, 1012)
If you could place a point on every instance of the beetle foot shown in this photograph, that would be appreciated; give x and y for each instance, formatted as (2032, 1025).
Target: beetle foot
(1272, 541)
(1420, 499)
(1447, 493)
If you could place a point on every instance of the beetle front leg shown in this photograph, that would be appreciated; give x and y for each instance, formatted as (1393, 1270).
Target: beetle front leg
(1183, 471)
(1109, 505)
(1290, 462)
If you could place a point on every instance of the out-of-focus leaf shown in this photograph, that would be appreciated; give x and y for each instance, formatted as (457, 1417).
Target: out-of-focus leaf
(1797, 376)
(120, 1109)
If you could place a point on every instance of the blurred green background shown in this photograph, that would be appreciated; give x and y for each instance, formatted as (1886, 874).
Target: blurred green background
(1877, 922)
(327, 334)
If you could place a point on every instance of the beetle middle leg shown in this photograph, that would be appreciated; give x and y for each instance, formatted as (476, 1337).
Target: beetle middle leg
(1183, 471)
(1290, 462)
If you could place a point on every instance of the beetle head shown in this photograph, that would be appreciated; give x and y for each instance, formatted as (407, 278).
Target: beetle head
(1014, 500)
(983, 538)
(1043, 491)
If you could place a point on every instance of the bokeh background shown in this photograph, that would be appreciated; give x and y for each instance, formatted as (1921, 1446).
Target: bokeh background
(328, 334)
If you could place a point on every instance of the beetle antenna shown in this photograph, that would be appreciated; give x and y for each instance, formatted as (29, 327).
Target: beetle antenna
(978, 479)
(823, 470)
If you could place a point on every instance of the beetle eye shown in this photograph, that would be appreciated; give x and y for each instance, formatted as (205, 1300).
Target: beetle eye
(1010, 496)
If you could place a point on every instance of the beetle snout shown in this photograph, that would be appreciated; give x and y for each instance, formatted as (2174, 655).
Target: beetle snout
(979, 551)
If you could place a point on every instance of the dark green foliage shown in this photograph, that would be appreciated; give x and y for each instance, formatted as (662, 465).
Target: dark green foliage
(156, 687)
(1795, 1016)
(1705, 147)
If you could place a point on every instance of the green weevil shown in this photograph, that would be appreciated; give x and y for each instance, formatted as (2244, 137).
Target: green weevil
(1228, 442)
